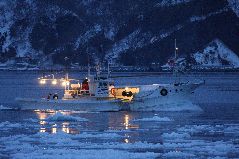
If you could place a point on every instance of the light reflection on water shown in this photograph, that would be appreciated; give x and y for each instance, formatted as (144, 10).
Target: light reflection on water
(72, 127)
(127, 122)
(54, 128)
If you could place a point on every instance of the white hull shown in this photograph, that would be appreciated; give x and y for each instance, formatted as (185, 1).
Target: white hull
(75, 104)
(176, 99)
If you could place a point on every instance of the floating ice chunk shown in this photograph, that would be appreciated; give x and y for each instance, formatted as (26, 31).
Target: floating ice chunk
(118, 131)
(131, 146)
(97, 135)
(220, 148)
(155, 118)
(31, 120)
(7, 125)
(232, 129)
(175, 135)
(4, 108)
(66, 153)
(177, 154)
(62, 145)
(195, 128)
(61, 117)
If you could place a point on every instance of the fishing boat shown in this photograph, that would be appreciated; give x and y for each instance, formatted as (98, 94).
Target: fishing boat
(166, 97)
(92, 94)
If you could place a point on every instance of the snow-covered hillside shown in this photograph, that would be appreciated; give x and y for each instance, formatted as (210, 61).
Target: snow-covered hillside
(132, 33)
(216, 54)
(172, 2)
(234, 4)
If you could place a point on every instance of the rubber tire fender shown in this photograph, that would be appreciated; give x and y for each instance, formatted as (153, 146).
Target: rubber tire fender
(164, 92)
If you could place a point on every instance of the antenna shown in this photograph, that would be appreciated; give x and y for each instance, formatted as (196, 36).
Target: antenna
(109, 63)
(176, 49)
(88, 58)
(88, 66)
(175, 67)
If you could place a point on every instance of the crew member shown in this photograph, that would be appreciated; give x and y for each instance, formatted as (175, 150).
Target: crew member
(49, 96)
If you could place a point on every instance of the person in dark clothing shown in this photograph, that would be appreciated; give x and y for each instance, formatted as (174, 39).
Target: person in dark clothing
(49, 96)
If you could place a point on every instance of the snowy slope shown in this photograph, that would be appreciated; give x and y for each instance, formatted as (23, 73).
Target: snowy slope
(119, 30)
(172, 2)
(215, 53)
(234, 4)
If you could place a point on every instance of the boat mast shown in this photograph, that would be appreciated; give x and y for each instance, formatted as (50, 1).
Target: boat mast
(88, 70)
(175, 51)
(108, 76)
(88, 58)
(66, 74)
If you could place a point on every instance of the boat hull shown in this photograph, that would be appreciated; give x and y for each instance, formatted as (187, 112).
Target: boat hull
(176, 98)
(61, 104)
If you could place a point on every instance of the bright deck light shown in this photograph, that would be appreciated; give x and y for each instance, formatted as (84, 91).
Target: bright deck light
(42, 81)
(65, 83)
(54, 82)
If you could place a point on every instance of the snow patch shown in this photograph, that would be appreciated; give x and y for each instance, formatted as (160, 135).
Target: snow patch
(203, 17)
(167, 3)
(214, 52)
(88, 35)
(133, 41)
(234, 4)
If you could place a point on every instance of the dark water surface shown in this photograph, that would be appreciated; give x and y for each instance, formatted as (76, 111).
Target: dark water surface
(212, 133)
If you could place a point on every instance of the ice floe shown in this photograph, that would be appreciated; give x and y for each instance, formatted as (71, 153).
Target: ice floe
(31, 120)
(67, 153)
(61, 117)
(178, 154)
(7, 125)
(187, 142)
(97, 135)
(155, 118)
(178, 144)
(175, 135)
(62, 145)
(4, 108)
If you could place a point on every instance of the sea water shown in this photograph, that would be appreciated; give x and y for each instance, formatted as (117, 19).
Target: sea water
(210, 133)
